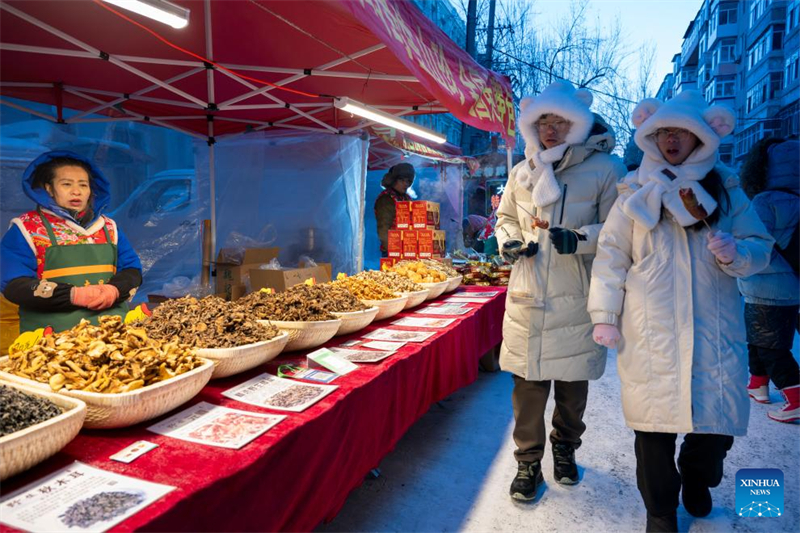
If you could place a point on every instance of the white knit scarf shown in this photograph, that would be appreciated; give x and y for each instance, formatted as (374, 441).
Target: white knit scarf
(655, 189)
(545, 190)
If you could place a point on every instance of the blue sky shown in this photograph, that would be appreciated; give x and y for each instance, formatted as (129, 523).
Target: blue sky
(662, 22)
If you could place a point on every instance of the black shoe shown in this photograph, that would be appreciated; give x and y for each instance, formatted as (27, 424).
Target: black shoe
(526, 483)
(565, 470)
(662, 524)
(695, 495)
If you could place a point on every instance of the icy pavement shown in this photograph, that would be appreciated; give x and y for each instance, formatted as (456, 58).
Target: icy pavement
(451, 472)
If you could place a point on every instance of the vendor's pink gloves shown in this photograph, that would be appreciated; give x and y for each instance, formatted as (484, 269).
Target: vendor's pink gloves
(107, 297)
(606, 335)
(723, 246)
(83, 296)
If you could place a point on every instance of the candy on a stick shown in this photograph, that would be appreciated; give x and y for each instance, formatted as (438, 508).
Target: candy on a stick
(539, 223)
(691, 204)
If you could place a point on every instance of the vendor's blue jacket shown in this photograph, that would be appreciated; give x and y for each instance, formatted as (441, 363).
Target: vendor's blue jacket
(17, 259)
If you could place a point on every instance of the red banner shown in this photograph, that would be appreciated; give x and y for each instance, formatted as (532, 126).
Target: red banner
(404, 142)
(475, 95)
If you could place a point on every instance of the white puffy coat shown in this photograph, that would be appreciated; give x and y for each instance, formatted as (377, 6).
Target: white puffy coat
(555, 342)
(682, 358)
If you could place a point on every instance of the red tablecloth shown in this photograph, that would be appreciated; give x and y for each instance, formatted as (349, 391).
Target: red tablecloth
(300, 472)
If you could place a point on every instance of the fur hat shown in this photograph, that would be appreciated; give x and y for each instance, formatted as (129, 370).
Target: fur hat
(562, 99)
(689, 111)
(400, 170)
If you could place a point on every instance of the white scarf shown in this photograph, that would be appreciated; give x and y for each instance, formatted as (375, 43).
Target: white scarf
(655, 189)
(545, 190)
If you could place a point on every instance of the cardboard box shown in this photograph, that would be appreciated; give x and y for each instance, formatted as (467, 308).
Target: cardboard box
(387, 262)
(280, 280)
(402, 215)
(409, 244)
(425, 243)
(424, 215)
(231, 277)
(439, 244)
(395, 243)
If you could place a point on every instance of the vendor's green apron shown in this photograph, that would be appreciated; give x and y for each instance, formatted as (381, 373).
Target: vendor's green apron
(79, 265)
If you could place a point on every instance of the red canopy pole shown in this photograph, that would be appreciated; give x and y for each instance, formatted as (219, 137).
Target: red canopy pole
(59, 93)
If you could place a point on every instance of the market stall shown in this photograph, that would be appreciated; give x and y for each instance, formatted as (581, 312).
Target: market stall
(300, 471)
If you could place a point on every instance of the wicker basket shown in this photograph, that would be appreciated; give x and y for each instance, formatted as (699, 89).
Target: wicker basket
(387, 308)
(435, 289)
(356, 320)
(415, 298)
(453, 283)
(128, 408)
(230, 361)
(23, 449)
(304, 335)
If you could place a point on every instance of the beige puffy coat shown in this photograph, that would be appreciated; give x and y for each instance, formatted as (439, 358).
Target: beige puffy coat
(555, 342)
(682, 358)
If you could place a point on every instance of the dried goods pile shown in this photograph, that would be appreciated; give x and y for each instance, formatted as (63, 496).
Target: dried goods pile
(419, 272)
(207, 323)
(110, 358)
(391, 280)
(19, 410)
(301, 303)
(99, 508)
(337, 299)
(365, 289)
(486, 274)
(449, 271)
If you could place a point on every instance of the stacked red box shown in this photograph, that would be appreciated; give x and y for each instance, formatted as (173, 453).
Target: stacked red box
(424, 215)
(395, 243)
(402, 215)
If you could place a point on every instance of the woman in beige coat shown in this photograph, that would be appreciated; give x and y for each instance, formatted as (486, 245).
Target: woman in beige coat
(664, 288)
(568, 183)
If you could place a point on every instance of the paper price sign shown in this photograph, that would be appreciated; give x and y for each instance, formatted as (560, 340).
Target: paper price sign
(328, 359)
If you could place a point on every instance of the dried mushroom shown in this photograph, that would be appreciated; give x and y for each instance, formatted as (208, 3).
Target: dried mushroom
(210, 322)
(365, 289)
(301, 303)
(110, 358)
(449, 271)
(391, 280)
(19, 410)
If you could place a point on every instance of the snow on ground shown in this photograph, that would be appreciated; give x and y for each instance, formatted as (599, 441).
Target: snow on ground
(451, 472)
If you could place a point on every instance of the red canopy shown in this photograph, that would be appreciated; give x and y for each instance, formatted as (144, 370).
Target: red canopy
(385, 53)
(390, 145)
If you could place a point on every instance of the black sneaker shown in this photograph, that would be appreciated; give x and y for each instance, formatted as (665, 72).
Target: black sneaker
(565, 470)
(526, 483)
(695, 495)
(662, 524)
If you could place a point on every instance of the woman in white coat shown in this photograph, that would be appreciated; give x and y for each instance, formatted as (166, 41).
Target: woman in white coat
(568, 183)
(664, 290)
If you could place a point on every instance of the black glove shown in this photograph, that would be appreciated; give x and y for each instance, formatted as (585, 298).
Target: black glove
(565, 240)
(511, 251)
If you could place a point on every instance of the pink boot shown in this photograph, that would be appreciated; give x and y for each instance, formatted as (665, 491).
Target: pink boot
(758, 388)
(790, 412)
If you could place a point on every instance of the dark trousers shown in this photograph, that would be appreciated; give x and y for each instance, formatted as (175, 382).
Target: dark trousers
(779, 365)
(658, 479)
(529, 399)
(770, 335)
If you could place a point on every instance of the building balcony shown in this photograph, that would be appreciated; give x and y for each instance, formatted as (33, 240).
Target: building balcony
(690, 44)
(721, 32)
(776, 14)
(725, 69)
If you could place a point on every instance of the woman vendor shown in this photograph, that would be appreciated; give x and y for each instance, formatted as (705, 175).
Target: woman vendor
(395, 183)
(65, 260)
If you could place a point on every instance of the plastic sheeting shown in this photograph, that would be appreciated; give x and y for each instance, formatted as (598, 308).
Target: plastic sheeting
(440, 183)
(301, 192)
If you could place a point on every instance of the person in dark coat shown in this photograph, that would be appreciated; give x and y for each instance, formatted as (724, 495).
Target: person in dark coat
(395, 185)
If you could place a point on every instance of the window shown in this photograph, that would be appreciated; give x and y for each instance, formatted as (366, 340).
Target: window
(791, 68)
(757, 94)
(709, 93)
(777, 39)
(757, 8)
(712, 21)
(728, 14)
(792, 15)
(727, 51)
(725, 87)
(759, 50)
(775, 84)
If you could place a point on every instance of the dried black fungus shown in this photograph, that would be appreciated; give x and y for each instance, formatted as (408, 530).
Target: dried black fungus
(19, 410)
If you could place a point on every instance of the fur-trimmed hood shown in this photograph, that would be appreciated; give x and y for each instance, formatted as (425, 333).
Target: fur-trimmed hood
(687, 110)
(562, 99)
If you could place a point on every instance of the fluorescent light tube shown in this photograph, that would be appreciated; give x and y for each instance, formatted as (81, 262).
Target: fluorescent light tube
(160, 10)
(376, 115)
